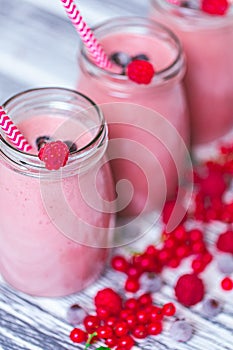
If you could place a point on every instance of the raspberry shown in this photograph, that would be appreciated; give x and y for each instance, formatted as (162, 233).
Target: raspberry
(140, 71)
(54, 155)
(110, 300)
(213, 185)
(225, 242)
(215, 7)
(189, 289)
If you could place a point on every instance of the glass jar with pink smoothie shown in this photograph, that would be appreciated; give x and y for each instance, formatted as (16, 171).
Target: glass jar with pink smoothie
(56, 225)
(208, 44)
(148, 123)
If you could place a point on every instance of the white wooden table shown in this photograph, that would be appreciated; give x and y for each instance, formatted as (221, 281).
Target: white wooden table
(38, 49)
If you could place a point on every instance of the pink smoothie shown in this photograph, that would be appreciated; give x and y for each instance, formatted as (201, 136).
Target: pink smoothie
(53, 237)
(131, 109)
(208, 44)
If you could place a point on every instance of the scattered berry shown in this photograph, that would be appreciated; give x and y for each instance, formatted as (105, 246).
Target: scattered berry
(78, 335)
(140, 71)
(54, 155)
(227, 284)
(225, 242)
(181, 331)
(169, 309)
(211, 307)
(189, 289)
(215, 7)
(76, 314)
(225, 263)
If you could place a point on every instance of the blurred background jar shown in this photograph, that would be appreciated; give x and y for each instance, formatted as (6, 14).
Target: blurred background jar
(208, 44)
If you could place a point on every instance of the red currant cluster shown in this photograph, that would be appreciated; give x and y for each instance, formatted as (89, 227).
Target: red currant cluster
(118, 323)
(176, 246)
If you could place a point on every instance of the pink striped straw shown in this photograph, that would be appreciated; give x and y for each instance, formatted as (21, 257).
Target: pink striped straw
(12, 132)
(87, 36)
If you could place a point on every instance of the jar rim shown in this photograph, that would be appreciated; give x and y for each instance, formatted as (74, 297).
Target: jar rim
(137, 21)
(201, 18)
(81, 154)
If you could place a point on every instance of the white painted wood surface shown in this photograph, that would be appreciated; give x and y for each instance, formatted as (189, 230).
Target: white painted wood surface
(39, 48)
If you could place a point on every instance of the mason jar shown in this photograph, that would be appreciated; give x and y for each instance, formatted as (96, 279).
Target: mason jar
(208, 44)
(148, 124)
(55, 225)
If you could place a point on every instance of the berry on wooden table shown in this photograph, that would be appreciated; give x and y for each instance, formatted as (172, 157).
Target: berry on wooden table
(78, 335)
(189, 289)
(181, 331)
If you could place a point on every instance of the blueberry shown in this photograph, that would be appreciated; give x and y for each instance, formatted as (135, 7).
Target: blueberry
(42, 140)
(140, 56)
(122, 59)
(71, 145)
(181, 331)
(211, 307)
(225, 263)
(75, 315)
(150, 282)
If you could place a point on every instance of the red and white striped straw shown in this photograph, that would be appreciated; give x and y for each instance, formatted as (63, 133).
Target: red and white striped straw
(99, 56)
(12, 132)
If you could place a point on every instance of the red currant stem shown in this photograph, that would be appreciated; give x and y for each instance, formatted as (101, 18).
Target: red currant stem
(90, 336)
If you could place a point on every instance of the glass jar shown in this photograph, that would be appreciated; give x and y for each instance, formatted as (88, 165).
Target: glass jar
(55, 224)
(148, 124)
(208, 44)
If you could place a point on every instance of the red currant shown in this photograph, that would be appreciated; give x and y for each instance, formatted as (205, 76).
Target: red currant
(142, 316)
(119, 263)
(110, 321)
(104, 332)
(151, 250)
(227, 284)
(121, 328)
(155, 328)
(78, 335)
(126, 342)
(91, 323)
(111, 342)
(132, 285)
(168, 309)
(156, 313)
(145, 299)
(198, 265)
(140, 331)
(195, 235)
(131, 321)
(131, 304)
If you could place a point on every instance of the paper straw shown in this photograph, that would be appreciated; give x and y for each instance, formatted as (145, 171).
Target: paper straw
(12, 132)
(99, 56)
